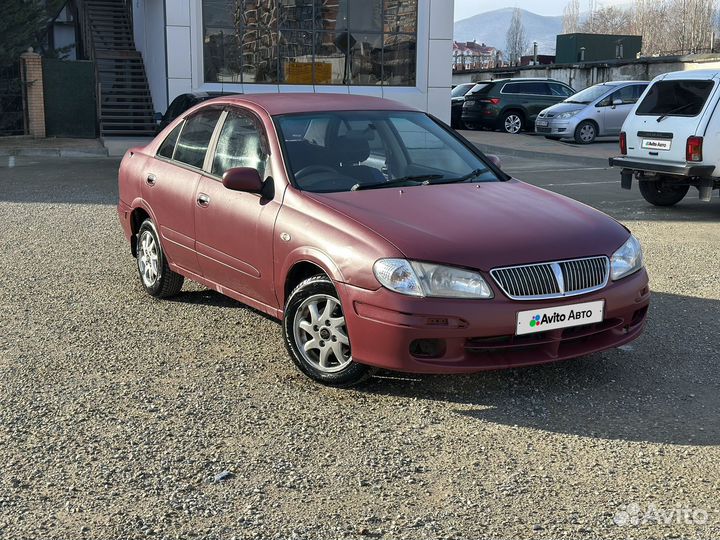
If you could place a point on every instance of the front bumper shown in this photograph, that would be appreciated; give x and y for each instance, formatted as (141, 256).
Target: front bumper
(478, 335)
(555, 128)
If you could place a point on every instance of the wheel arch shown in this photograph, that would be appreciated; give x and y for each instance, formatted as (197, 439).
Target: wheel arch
(140, 212)
(301, 265)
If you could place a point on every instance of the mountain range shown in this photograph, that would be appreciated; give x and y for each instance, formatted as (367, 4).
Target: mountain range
(490, 28)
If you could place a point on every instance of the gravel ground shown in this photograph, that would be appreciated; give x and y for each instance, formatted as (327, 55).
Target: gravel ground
(126, 417)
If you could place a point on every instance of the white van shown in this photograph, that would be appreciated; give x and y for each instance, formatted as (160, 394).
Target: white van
(670, 141)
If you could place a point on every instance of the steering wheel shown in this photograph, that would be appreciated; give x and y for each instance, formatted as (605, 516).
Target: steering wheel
(315, 169)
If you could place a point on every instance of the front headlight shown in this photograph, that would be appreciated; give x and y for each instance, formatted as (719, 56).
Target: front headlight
(415, 278)
(566, 115)
(626, 260)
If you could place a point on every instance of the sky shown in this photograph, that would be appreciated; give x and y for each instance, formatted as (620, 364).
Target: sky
(468, 8)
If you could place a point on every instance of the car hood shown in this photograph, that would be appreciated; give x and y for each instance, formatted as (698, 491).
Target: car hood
(564, 107)
(483, 225)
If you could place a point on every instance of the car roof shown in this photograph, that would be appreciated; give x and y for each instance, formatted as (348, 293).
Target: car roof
(621, 83)
(300, 102)
(525, 79)
(692, 74)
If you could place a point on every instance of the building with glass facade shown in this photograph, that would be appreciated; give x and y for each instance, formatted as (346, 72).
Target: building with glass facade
(399, 49)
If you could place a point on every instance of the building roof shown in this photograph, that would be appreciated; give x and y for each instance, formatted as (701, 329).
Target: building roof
(299, 102)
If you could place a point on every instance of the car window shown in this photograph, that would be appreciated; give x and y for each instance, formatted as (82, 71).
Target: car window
(461, 89)
(193, 142)
(168, 145)
(239, 145)
(676, 98)
(560, 90)
(627, 94)
(529, 88)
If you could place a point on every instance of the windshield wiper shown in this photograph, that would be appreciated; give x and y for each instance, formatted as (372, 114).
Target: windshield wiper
(420, 179)
(675, 110)
(576, 102)
(473, 174)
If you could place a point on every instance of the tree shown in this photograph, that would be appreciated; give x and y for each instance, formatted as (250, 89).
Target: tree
(610, 20)
(516, 42)
(571, 17)
(24, 24)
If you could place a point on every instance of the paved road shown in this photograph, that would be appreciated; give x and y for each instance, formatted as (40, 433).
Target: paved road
(117, 411)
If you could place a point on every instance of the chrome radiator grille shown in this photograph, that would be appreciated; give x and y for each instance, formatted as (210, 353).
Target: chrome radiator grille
(554, 279)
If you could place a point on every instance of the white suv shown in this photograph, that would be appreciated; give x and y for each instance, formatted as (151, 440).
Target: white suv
(671, 139)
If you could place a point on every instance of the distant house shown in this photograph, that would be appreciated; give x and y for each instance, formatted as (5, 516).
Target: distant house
(574, 48)
(471, 55)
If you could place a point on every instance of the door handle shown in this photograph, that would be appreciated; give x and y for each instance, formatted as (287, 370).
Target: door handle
(151, 179)
(203, 200)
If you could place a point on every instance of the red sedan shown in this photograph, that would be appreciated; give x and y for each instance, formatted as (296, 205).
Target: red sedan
(379, 236)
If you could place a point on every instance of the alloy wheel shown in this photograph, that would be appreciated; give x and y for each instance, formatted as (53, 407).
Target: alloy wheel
(513, 123)
(321, 335)
(148, 259)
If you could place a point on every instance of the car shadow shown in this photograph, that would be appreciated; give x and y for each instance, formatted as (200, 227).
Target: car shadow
(209, 297)
(663, 388)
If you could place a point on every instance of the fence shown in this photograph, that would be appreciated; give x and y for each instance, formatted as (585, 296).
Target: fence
(12, 109)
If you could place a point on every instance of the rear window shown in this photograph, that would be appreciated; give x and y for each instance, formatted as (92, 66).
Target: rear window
(676, 98)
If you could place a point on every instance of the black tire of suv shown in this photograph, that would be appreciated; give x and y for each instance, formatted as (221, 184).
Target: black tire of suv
(658, 193)
(168, 283)
(351, 375)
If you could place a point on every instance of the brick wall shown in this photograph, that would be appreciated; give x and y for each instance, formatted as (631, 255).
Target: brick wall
(31, 70)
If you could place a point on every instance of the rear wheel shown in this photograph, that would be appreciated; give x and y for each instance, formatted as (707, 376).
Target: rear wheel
(155, 275)
(586, 132)
(316, 334)
(662, 193)
(512, 122)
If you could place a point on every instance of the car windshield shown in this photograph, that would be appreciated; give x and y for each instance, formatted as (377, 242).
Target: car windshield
(587, 96)
(461, 89)
(349, 151)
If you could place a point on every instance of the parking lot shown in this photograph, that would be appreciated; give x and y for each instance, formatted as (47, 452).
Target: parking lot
(119, 413)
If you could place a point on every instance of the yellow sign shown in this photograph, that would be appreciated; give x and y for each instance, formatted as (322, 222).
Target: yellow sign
(302, 73)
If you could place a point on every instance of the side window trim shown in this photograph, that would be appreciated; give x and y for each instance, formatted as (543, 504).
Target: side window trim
(210, 153)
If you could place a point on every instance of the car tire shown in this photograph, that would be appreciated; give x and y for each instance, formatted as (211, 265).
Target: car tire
(468, 125)
(660, 193)
(512, 122)
(155, 275)
(316, 335)
(586, 132)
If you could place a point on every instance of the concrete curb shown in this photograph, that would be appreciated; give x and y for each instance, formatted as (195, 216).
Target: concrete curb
(532, 154)
(55, 152)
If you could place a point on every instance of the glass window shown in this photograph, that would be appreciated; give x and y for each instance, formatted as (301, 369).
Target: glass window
(351, 42)
(346, 151)
(239, 145)
(195, 138)
(628, 95)
(676, 98)
(168, 146)
(560, 90)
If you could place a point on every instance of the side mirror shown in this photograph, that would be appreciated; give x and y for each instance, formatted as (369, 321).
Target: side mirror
(243, 179)
(158, 116)
(617, 102)
(495, 160)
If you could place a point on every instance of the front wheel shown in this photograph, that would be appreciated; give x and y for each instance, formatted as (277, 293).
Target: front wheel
(316, 335)
(661, 193)
(586, 132)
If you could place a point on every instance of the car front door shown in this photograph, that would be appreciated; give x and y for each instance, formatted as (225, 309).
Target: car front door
(234, 229)
(617, 106)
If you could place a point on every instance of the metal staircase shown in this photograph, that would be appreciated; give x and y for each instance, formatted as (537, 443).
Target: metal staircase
(125, 103)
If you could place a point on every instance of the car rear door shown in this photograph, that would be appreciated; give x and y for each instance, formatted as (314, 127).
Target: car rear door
(168, 187)
(234, 229)
(538, 96)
